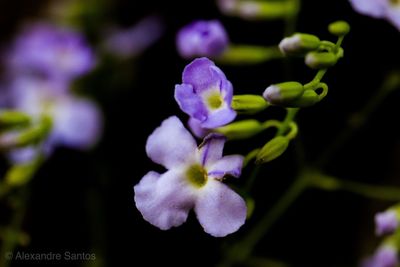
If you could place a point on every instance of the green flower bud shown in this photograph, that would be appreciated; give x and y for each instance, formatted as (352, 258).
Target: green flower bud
(249, 104)
(241, 129)
(309, 98)
(10, 118)
(320, 60)
(283, 93)
(273, 149)
(20, 174)
(299, 44)
(339, 28)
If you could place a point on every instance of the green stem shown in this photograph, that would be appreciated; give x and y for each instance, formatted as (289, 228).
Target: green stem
(240, 251)
(249, 54)
(291, 113)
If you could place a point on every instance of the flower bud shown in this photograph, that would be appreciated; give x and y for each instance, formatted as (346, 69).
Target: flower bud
(283, 93)
(241, 129)
(10, 118)
(299, 44)
(309, 98)
(273, 149)
(339, 28)
(20, 174)
(320, 60)
(248, 104)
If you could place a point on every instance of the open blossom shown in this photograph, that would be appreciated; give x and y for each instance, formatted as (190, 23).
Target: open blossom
(202, 38)
(385, 256)
(50, 51)
(192, 181)
(205, 94)
(387, 9)
(386, 222)
(76, 121)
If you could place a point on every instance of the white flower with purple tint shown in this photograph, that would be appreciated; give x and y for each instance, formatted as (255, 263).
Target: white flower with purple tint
(52, 52)
(192, 181)
(386, 222)
(385, 256)
(76, 121)
(202, 38)
(386, 9)
(205, 95)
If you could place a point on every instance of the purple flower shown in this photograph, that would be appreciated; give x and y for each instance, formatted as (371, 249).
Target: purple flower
(76, 122)
(192, 181)
(385, 256)
(386, 222)
(386, 9)
(51, 52)
(202, 38)
(205, 94)
(134, 40)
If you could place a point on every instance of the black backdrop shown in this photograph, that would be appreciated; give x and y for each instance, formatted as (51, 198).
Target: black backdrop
(84, 201)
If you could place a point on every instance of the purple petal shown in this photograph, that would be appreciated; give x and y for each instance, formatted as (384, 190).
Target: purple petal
(228, 165)
(386, 256)
(171, 145)
(373, 8)
(197, 130)
(211, 149)
(164, 200)
(393, 15)
(219, 209)
(386, 222)
(190, 102)
(77, 122)
(219, 118)
(201, 74)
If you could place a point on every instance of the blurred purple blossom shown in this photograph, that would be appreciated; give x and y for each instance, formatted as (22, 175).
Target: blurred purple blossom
(205, 95)
(385, 256)
(202, 38)
(386, 222)
(77, 122)
(130, 42)
(192, 181)
(386, 9)
(50, 51)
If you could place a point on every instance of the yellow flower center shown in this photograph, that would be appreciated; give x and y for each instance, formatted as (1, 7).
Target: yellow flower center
(197, 175)
(214, 100)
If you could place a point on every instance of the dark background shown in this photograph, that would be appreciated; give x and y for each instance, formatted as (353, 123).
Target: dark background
(83, 202)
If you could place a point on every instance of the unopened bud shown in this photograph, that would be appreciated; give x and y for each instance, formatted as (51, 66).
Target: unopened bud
(241, 129)
(248, 104)
(299, 44)
(10, 118)
(309, 98)
(339, 28)
(320, 60)
(283, 93)
(273, 149)
(20, 174)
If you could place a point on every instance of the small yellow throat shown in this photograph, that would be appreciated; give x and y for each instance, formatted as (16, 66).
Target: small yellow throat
(214, 100)
(197, 175)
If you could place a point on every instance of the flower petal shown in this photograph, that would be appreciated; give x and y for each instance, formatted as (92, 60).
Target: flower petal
(197, 130)
(228, 165)
(164, 200)
(200, 74)
(219, 209)
(373, 8)
(190, 102)
(211, 149)
(393, 15)
(171, 145)
(77, 123)
(219, 118)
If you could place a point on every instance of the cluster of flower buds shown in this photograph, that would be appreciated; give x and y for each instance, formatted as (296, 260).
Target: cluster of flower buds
(318, 54)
